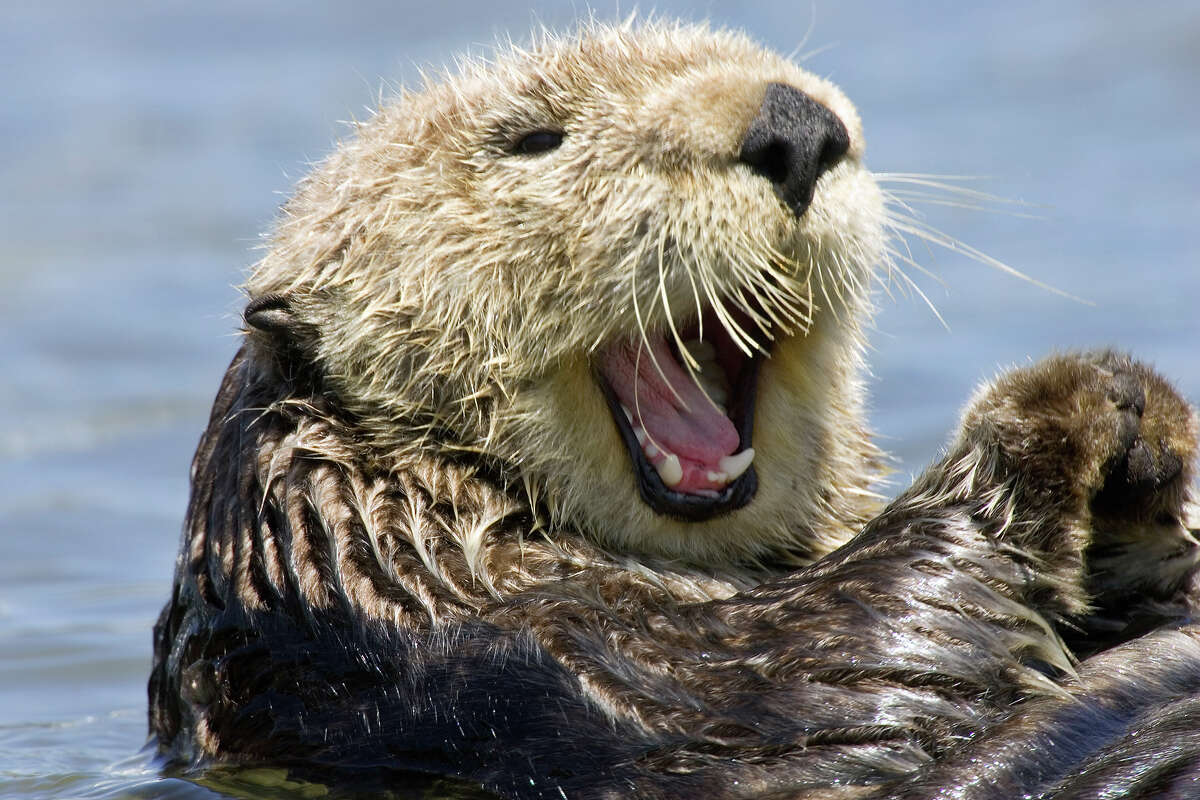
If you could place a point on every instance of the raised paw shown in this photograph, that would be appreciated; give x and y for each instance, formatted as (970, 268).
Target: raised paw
(1099, 430)
(1143, 544)
(1097, 451)
(1157, 439)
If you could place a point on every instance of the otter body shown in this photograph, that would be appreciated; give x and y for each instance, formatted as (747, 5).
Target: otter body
(535, 463)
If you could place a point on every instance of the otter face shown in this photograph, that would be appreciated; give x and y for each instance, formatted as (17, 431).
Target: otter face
(689, 432)
(631, 266)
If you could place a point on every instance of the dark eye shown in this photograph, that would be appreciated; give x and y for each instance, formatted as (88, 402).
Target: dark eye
(538, 142)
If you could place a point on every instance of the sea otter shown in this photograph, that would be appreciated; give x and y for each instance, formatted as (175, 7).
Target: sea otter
(542, 465)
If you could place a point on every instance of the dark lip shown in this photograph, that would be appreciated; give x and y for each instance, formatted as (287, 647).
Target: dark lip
(689, 507)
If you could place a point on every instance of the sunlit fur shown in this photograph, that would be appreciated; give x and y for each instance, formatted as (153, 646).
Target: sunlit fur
(459, 292)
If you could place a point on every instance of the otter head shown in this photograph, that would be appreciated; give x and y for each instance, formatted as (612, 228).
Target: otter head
(630, 268)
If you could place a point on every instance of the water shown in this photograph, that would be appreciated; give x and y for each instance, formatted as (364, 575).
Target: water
(143, 147)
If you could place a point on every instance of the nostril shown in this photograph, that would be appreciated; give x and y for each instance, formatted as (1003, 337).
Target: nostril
(791, 142)
(834, 148)
(769, 159)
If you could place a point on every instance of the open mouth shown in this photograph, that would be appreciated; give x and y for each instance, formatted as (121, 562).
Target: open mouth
(687, 432)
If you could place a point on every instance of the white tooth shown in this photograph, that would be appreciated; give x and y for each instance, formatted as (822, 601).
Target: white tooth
(650, 450)
(669, 470)
(735, 465)
(717, 477)
(640, 433)
(628, 413)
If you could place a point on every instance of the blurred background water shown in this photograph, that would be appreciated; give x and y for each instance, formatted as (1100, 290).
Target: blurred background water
(144, 146)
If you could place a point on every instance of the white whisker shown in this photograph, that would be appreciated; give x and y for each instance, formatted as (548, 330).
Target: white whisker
(946, 193)
(908, 258)
(924, 297)
(645, 340)
(912, 227)
(689, 362)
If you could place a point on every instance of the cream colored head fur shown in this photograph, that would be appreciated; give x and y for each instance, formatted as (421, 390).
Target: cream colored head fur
(457, 293)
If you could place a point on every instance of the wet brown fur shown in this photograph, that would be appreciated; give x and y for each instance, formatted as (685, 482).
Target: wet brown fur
(382, 574)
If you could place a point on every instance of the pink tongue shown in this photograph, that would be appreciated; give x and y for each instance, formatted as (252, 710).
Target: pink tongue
(682, 421)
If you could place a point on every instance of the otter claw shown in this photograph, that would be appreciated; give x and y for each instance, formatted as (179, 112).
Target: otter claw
(1127, 392)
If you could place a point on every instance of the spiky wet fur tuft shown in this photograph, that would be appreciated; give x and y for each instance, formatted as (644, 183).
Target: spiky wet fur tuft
(341, 620)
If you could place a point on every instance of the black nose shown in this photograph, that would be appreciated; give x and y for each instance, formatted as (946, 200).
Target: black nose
(791, 142)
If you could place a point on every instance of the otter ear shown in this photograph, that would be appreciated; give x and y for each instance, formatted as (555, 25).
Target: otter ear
(279, 317)
(289, 340)
(272, 314)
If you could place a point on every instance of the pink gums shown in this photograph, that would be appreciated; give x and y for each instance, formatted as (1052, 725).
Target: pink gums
(673, 410)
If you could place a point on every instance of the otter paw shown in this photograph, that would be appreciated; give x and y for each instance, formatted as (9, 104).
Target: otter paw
(1095, 427)
(1155, 446)
(1142, 550)
(1093, 456)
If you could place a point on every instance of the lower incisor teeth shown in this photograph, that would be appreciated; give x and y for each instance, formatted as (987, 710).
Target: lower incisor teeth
(735, 465)
(670, 470)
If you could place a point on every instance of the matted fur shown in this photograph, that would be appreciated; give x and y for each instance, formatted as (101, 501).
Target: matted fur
(414, 543)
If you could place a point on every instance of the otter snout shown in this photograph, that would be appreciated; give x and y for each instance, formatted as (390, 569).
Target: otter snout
(791, 141)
